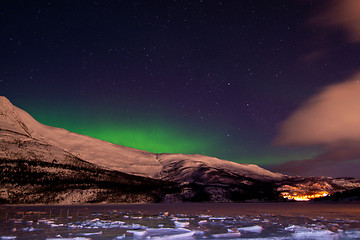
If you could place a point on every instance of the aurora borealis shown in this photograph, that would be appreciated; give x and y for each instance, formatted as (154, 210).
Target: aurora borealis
(219, 78)
(155, 136)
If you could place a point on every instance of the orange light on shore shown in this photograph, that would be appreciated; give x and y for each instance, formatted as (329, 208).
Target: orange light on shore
(304, 197)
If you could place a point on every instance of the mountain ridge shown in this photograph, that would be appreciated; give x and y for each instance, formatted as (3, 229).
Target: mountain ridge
(116, 157)
(44, 164)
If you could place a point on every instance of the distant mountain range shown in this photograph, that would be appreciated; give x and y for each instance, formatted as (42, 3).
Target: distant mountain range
(43, 164)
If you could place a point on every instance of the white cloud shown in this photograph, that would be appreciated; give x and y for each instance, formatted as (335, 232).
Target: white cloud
(330, 117)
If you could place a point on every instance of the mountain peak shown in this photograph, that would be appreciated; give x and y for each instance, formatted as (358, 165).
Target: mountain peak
(10, 118)
(5, 104)
(3, 98)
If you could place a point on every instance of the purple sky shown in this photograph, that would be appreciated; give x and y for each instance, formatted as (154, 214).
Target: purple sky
(266, 82)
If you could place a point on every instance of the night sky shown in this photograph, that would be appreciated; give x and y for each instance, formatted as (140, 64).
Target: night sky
(237, 80)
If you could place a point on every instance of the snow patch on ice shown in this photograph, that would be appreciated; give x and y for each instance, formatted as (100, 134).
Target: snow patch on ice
(253, 229)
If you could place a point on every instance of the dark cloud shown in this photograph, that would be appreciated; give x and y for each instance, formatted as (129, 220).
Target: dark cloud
(314, 167)
(343, 14)
(312, 56)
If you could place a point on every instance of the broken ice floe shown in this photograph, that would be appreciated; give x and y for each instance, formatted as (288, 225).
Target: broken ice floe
(76, 238)
(163, 233)
(227, 235)
(115, 225)
(253, 229)
(181, 224)
(300, 232)
(88, 233)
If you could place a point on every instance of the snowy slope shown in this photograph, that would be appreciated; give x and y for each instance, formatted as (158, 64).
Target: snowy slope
(95, 151)
(120, 158)
(194, 168)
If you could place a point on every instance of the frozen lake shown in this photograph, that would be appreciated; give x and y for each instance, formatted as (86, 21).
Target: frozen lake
(182, 221)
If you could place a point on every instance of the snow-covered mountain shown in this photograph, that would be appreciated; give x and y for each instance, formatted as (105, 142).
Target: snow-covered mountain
(46, 164)
(180, 167)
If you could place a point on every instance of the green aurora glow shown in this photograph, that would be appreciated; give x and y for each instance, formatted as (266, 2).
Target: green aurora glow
(152, 138)
(155, 134)
(150, 135)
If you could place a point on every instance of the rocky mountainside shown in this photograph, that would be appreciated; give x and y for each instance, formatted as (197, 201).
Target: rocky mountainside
(40, 163)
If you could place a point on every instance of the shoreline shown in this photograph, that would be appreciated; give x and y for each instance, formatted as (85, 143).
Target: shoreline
(292, 209)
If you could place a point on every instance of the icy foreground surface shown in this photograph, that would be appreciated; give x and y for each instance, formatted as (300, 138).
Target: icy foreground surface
(84, 223)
